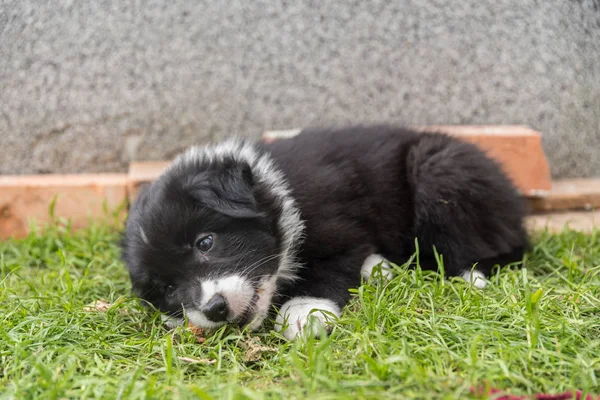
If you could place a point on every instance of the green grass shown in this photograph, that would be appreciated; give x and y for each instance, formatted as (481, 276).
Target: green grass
(536, 329)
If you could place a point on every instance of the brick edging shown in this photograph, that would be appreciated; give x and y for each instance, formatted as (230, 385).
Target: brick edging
(82, 197)
(78, 197)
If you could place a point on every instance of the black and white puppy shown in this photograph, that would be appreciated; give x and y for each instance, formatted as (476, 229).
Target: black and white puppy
(232, 229)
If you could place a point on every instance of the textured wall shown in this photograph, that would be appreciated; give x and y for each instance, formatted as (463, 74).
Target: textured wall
(91, 85)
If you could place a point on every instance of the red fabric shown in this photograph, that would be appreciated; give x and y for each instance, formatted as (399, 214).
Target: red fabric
(498, 394)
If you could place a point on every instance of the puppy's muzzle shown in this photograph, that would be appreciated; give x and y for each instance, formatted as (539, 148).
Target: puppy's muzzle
(216, 310)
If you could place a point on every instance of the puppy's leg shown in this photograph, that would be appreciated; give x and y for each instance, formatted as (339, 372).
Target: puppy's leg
(171, 322)
(476, 277)
(321, 293)
(373, 261)
(464, 206)
(320, 300)
(301, 312)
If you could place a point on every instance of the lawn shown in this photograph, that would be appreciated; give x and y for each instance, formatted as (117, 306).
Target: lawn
(418, 336)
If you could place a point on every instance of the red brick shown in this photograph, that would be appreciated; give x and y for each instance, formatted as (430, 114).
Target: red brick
(582, 221)
(517, 148)
(271, 136)
(79, 197)
(570, 194)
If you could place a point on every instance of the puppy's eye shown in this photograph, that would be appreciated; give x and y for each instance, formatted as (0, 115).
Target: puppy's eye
(204, 243)
(170, 290)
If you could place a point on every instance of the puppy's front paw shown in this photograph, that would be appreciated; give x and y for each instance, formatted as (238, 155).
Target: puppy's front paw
(477, 278)
(171, 322)
(295, 314)
(371, 262)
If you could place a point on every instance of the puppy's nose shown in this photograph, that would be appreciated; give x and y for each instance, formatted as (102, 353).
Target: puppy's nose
(216, 309)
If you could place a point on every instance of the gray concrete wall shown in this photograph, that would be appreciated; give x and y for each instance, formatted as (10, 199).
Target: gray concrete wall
(91, 85)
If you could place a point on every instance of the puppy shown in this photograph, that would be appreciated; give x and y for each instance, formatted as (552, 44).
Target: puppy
(231, 230)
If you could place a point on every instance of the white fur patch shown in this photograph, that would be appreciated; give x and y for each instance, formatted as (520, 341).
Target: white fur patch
(143, 235)
(171, 322)
(371, 262)
(265, 291)
(197, 318)
(294, 315)
(265, 172)
(477, 278)
(236, 290)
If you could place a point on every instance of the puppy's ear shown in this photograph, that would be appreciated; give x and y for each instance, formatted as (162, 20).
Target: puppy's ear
(227, 189)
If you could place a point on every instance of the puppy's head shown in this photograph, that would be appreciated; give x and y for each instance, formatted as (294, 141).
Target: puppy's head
(208, 239)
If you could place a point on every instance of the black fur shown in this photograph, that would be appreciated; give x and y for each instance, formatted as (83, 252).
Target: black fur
(365, 190)
(359, 190)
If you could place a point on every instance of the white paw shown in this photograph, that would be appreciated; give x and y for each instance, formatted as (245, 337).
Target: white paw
(294, 315)
(171, 322)
(477, 278)
(371, 262)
